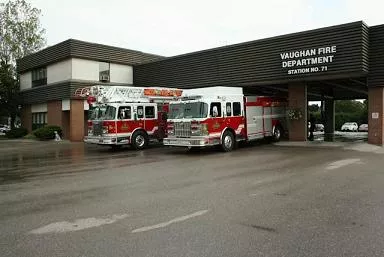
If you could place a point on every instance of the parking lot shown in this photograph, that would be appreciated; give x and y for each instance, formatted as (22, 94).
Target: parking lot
(310, 199)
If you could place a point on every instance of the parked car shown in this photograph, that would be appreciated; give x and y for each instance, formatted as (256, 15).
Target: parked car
(363, 128)
(4, 128)
(350, 126)
(319, 127)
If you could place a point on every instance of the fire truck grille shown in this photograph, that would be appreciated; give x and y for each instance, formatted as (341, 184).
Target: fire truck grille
(97, 129)
(182, 129)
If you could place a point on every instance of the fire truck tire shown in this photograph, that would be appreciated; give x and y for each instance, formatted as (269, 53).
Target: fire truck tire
(227, 141)
(139, 140)
(277, 132)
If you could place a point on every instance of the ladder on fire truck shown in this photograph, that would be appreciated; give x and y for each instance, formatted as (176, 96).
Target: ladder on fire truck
(115, 94)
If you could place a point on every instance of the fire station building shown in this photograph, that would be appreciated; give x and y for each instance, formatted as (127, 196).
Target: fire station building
(333, 63)
(49, 78)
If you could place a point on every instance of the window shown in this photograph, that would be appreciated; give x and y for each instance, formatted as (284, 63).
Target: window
(228, 109)
(125, 112)
(109, 114)
(140, 112)
(39, 119)
(215, 110)
(191, 110)
(39, 77)
(96, 112)
(104, 73)
(236, 109)
(149, 112)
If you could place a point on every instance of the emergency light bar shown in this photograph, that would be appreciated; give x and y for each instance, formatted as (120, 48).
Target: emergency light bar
(162, 92)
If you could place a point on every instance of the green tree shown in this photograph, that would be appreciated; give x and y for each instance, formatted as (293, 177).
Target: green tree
(350, 111)
(314, 108)
(20, 34)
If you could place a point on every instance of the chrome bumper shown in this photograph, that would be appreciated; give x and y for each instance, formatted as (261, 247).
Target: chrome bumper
(191, 142)
(106, 140)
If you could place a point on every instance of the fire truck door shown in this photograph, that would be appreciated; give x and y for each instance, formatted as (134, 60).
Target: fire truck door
(139, 117)
(267, 120)
(162, 123)
(150, 118)
(254, 122)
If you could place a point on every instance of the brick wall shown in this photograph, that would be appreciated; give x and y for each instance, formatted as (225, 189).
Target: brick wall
(376, 105)
(297, 98)
(76, 120)
(55, 114)
(65, 126)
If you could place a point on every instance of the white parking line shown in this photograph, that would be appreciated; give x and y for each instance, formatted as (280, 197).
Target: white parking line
(165, 224)
(341, 163)
(80, 224)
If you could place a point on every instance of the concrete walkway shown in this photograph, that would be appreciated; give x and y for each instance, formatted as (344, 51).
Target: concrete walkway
(355, 146)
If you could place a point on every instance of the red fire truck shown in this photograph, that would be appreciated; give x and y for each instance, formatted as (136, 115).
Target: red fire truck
(223, 116)
(121, 115)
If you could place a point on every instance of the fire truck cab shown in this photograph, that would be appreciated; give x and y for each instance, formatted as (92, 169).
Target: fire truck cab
(223, 116)
(120, 115)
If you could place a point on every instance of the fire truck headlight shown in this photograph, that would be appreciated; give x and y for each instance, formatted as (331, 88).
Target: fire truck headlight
(105, 130)
(170, 131)
(204, 129)
(90, 131)
(196, 132)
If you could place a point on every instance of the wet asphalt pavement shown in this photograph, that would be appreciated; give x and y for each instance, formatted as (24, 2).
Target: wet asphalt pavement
(63, 199)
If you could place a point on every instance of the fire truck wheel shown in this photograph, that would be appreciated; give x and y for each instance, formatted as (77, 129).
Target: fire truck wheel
(139, 140)
(227, 141)
(277, 133)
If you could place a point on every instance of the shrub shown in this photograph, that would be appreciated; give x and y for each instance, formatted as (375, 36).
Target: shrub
(47, 132)
(30, 136)
(16, 133)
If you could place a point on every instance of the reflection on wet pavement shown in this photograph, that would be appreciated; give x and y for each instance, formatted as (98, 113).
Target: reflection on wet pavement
(22, 162)
(339, 136)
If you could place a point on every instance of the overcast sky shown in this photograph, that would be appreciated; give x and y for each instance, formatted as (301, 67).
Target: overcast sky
(172, 27)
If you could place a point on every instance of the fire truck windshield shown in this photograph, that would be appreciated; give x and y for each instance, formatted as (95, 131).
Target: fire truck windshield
(109, 114)
(96, 112)
(190, 110)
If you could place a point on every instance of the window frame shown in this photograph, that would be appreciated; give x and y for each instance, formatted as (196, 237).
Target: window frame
(218, 104)
(39, 77)
(39, 119)
(228, 104)
(142, 114)
(104, 71)
(125, 108)
(233, 109)
(154, 112)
